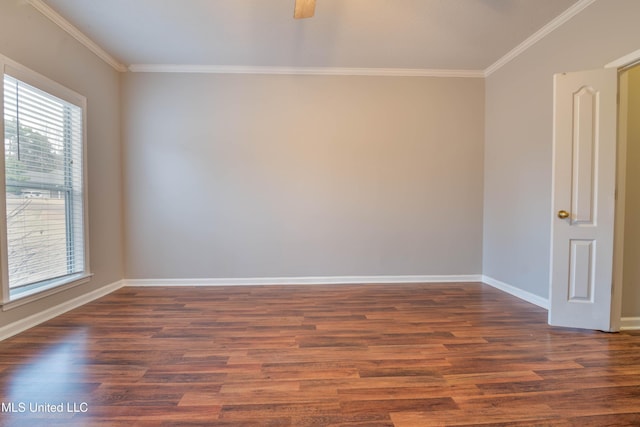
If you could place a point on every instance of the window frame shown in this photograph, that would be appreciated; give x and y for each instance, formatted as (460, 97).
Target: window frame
(48, 287)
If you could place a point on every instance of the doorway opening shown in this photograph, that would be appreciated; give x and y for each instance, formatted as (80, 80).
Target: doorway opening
(627, 234)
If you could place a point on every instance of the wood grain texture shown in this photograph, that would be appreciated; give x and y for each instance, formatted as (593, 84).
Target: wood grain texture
(358, 355)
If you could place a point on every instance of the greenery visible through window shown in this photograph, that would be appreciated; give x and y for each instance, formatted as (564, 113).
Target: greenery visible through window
(43, 142)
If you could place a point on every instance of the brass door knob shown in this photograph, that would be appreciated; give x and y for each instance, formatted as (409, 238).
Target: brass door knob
(563, 214)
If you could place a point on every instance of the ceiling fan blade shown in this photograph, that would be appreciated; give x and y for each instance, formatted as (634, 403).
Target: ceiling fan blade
(304, 9)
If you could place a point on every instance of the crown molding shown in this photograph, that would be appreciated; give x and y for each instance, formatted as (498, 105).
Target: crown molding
(74, 32)
(323, 71)
(626, 61)
(56, 18)
(538, 35)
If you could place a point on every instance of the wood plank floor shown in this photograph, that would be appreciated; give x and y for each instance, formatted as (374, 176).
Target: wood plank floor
(365, 355)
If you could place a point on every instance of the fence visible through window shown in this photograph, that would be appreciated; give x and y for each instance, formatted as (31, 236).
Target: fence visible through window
(44, 183)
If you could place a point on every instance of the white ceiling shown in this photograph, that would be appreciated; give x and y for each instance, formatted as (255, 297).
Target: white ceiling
(405, 34)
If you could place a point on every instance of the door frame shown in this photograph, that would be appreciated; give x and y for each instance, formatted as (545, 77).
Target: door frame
(621, 64)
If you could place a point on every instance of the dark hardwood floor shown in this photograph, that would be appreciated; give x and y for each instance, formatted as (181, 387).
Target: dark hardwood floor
(365, 355)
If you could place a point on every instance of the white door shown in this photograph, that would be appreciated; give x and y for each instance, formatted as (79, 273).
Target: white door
(584, 179)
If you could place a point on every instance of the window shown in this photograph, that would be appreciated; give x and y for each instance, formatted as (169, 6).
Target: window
(44, 185)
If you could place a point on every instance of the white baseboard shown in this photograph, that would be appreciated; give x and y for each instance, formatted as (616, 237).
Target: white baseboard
(627, 323)
(35, 319)
(517, 292)
(320, 280)
(630, 324)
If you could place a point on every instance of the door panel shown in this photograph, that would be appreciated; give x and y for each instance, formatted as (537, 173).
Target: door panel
(584, 116)
(584, 189)
(581, 276)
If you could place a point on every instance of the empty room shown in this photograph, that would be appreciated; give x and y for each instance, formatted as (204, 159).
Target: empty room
(320, 213)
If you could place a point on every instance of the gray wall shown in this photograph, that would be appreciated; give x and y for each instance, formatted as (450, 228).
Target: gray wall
(29, 38)
(265, 176)
(631, 269)
(519, 96)
(270, 176)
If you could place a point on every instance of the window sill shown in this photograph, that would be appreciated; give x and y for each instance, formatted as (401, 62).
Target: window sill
(51, 289)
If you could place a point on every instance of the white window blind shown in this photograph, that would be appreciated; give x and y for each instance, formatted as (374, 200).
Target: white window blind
(44, 187)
